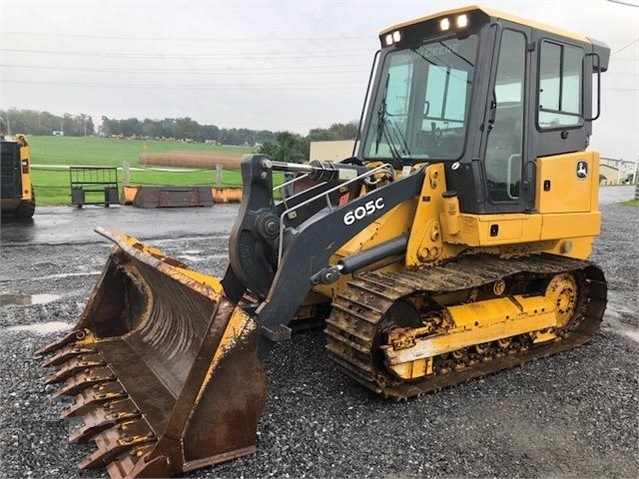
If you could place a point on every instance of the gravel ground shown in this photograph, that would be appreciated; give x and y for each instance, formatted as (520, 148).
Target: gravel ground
(573, 415)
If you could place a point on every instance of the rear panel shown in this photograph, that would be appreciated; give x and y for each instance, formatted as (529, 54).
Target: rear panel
(10, 174)
(567, 183)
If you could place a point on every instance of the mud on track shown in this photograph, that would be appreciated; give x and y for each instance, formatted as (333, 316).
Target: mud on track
(573, 415)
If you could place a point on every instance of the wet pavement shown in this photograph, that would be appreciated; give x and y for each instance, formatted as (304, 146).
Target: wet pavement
(65, 225)
(27, 299)
(615, 194)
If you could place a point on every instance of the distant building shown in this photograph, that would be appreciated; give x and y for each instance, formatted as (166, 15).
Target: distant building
(331, 150)
(616, 171)
(58, 133)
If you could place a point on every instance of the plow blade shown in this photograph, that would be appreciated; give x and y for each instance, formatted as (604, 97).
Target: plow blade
(163, 369)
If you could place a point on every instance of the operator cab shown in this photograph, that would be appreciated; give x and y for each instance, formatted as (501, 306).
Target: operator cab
(486, 93)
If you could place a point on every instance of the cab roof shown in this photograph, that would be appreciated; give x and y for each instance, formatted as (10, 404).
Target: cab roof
(493, 14)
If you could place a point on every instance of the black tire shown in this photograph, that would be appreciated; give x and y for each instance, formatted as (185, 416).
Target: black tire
(26, 209)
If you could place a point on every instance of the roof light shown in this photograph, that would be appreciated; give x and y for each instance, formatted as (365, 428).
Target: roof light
(389, 40)
(462, 21)
(444, 24)
(397, 36)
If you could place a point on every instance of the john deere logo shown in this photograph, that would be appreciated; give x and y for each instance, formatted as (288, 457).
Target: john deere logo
(582, 170)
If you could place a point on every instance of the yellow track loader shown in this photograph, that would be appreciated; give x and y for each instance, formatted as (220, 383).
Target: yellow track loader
(17, 196)
(451, 245)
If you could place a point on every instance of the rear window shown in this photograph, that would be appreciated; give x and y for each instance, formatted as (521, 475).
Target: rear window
(560, 85)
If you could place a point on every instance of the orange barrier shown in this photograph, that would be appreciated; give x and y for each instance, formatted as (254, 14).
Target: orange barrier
(227, 195)
(178, 196)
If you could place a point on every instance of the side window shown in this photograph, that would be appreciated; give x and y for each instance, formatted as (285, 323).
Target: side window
(398, 96)
(560, 85)
(504, 146)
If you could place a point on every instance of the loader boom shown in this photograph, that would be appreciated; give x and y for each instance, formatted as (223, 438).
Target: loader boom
(259, 233)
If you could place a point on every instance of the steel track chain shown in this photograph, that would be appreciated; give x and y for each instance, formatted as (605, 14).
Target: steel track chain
(352, 327)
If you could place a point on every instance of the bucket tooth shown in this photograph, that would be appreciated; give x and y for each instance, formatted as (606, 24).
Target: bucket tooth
(84, 380)
(74, 366)
(117, 440)
(93, 397)
(95, 423)
(134, 464)
(71, 337)
(66, 353)
(103, 418)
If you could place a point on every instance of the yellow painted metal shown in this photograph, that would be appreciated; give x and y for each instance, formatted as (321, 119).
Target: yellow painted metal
(25, 155)
(571, 225)
(239, 324)
(477, 323)
(561, 188)
(495, 14)
(26, 194)
(450, 217)
(170, 267)
(568, 234)
(512, 228)
(413, 369)
(580, 248)
(426, 241)
(438, 231)
(396, 222)
(563, 291)
(543, 336)
(491, 312)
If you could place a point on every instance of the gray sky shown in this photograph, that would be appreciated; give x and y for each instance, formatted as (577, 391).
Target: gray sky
(263, 64)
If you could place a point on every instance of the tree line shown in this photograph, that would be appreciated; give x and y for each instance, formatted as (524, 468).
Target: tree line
(183, 129)
(32, 122)
(280, 145)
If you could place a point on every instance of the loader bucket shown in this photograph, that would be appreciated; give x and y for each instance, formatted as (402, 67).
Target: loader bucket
(163, 368)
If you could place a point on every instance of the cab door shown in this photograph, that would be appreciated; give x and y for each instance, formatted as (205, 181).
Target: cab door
(508, 176)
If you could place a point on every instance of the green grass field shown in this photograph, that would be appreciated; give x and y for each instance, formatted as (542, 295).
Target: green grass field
(52, 185)
(95, 151)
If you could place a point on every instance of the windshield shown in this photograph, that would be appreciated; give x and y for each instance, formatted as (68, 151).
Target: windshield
(421, 106)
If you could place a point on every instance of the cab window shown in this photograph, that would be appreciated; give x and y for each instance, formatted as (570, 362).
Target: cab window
(560, 85)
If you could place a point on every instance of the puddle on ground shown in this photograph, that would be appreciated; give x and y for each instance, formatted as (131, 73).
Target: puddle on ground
(200, 259)
(27, 299)
(632, 334)
(64, 275)
(615, 326)
(51, 276)
(192, 258)
(42, 328)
